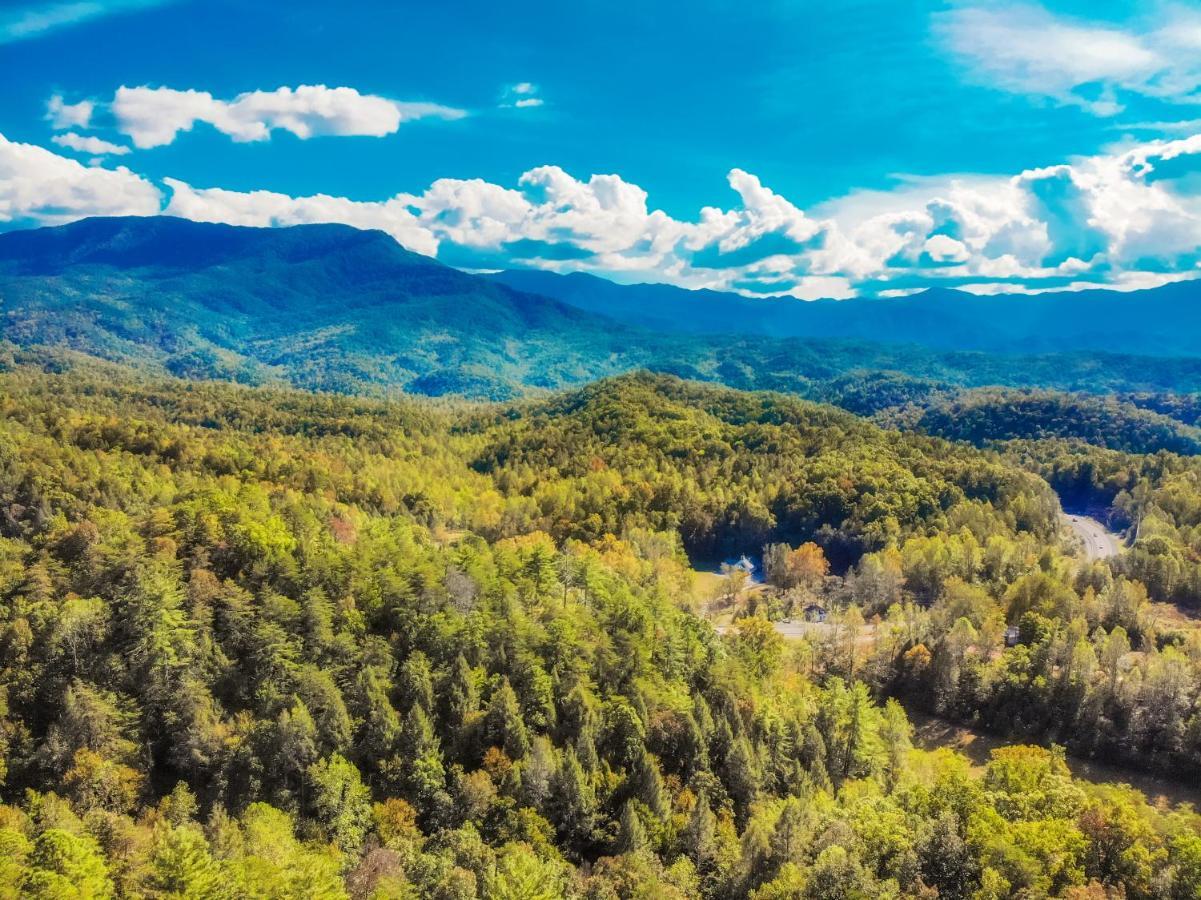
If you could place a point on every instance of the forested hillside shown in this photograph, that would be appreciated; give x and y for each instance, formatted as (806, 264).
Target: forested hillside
(1182, 407)
(263, 643)
(733, 471)
(987, 415)
(1144, 422)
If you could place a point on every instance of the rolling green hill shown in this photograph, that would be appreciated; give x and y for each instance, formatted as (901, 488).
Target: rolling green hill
(733, 471)
(987, 415)
(1141, 423)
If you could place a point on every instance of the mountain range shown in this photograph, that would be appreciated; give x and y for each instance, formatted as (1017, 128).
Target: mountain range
(1160, 321)
(333, 308)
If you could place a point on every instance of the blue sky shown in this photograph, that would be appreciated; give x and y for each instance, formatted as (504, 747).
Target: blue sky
(865, 146)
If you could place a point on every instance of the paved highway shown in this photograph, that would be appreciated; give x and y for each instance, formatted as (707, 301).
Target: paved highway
(1098, 541)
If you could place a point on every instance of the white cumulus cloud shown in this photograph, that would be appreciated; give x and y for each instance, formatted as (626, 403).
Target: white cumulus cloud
(89, 144)
(69, 115)
(762, 213)
(153, 117)
(40, 186)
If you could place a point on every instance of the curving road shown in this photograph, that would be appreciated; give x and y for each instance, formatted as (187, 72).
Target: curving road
(790, 628)
(1097, 540)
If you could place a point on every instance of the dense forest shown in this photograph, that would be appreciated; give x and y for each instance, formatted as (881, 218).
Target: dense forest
(732, 471)
(263, 643)
(1134, 423)
(1182, 407)
(985, 415)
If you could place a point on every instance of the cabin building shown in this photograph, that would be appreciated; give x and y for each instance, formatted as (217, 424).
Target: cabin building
(814, 612)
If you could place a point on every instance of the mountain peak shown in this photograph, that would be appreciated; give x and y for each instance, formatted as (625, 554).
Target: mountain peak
(168, 242)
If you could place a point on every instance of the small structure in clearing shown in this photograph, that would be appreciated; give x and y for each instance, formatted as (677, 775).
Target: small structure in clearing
(814, 612)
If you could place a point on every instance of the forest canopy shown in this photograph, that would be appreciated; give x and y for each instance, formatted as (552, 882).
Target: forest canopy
(267, 643)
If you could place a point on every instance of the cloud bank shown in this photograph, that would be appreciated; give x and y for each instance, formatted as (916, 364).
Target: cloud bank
(1130, 218)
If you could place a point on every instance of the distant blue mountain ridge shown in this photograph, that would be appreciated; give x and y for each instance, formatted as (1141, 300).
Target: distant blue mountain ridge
(1163, 321)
